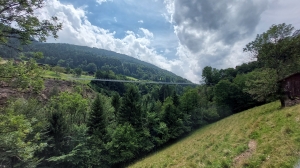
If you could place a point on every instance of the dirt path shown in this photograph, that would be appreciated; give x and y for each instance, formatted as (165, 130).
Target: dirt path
(239, 160)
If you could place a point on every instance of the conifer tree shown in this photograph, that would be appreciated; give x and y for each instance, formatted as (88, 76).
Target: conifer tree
(96, 122)
(175, 99)
(98, 135)
(116, 103)
(173, 119)
(130, 110)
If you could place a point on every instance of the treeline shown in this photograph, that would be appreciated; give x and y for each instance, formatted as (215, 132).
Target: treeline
(71, 131)
(108, 131)
(277, 54)
(107, 87)
(112, 130)
(91, 60)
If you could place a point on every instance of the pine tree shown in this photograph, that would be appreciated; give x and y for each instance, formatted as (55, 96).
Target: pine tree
(173, 119)
(130, 110)
(98, 135)
(57, 131)
(96, 122)
(175, 99)
(115, 102)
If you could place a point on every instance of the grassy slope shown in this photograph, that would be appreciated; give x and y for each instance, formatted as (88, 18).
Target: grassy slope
(131, 78)
(52, 74)
(276, 132)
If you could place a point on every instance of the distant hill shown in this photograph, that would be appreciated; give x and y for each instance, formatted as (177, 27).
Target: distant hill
(73, 56)
(264, 136)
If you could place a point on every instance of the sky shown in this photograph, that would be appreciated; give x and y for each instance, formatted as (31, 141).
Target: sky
(181, 36)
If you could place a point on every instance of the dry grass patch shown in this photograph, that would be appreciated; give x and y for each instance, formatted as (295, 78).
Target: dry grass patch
(275, 132)
(2, 61)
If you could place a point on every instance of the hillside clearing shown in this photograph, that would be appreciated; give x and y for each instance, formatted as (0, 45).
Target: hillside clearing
(70, 77)
(273, 131)
(131, 78)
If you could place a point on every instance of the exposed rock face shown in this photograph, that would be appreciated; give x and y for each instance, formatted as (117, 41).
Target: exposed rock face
(51, 86)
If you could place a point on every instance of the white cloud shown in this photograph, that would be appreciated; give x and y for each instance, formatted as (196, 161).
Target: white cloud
(78, 30)
(209, 33)
(147, 33)
(115, 19)
(213, 33)
(101, 1)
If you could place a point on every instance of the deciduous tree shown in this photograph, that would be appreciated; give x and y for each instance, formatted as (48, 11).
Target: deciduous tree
(18, 20)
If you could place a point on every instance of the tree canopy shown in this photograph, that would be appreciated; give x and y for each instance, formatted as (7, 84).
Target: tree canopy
(277, 48)
(18, 20)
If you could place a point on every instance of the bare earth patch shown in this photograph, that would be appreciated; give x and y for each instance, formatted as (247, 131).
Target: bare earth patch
(239, 160)
(7, 91)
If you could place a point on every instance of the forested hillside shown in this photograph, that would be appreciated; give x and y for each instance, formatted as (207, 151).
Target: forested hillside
(92, 59)
(116, 123)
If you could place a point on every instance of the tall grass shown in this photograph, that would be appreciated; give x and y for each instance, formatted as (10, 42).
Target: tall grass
(276, 132)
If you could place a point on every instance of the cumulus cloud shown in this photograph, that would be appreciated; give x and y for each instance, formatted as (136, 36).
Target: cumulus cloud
(211, 31)
(78, 30)
(101, 1)
(147, 33)
(207, 33)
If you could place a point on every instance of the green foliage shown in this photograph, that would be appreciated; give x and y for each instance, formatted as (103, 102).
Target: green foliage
(81, 56)
(190, 107)
(67, 116)
(58, 70)
(277, 49)
(164, 92)
(72, 105)
(173, 119)
(27, 25)
(175, 99)
(91, 67)
(57, 132)
(96, 122)
(130, 110)
(124, 144)
(23, 75)
(106, 85)
(210, 76)
(226, 93)
(218, 144)
(116, 103)
(21, 125)
(262, 85)
(78, 72)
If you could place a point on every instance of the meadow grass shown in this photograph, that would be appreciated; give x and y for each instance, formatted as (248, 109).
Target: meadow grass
(275, 131)
(63, 76)
(131, 78)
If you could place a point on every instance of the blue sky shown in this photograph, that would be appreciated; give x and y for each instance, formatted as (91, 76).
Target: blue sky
(177, 35)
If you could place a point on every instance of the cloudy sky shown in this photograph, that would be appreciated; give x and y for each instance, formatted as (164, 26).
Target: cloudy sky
(182, 36)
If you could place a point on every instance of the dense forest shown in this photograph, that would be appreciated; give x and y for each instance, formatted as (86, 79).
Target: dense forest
(122, 125)
(123, 122)
(91, 60)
